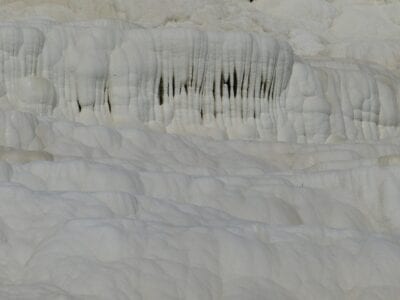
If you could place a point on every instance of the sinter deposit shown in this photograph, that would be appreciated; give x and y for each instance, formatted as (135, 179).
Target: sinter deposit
(203, 149)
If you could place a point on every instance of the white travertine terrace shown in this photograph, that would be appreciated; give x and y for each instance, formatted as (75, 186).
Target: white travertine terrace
(108, 72)
(280, 180)
(237, 84)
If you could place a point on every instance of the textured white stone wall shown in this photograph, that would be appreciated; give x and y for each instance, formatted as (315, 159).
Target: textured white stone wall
(283, 184)
(234, 84)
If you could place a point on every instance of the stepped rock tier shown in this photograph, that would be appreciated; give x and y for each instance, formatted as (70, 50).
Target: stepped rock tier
(213, 83)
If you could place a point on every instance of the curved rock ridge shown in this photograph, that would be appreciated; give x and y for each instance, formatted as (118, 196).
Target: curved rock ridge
(221, 84)
(170, 77)
(331, 100)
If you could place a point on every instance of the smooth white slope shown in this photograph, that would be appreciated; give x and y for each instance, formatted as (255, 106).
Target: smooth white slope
(130, 214)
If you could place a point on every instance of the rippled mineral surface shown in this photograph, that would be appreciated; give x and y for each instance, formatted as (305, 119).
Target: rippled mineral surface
(199, 149)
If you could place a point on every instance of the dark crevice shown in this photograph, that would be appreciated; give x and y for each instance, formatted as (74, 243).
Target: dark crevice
(202, 82)
(173, 85)
(215, 100)
(201, 113)
(261, 86)
(269, 95)
(228, 85)
(161, 92)
(221, 85)
(79, 105)
(200, 91)
(107, 97)
(109, 102)
(241, 86)
(235, 82)
(265, 83)
(213, 90)
(271, 92)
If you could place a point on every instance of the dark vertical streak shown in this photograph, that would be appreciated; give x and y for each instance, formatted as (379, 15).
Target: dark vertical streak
(228, 83)
(107, 97)
(173, 85)
(270, 91)
(235, 83)
(79, 105)
(215, 100)
(221, 83)
(161, 92)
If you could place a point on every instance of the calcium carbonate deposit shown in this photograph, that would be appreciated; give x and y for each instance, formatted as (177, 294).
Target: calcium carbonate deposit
(200, 149)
